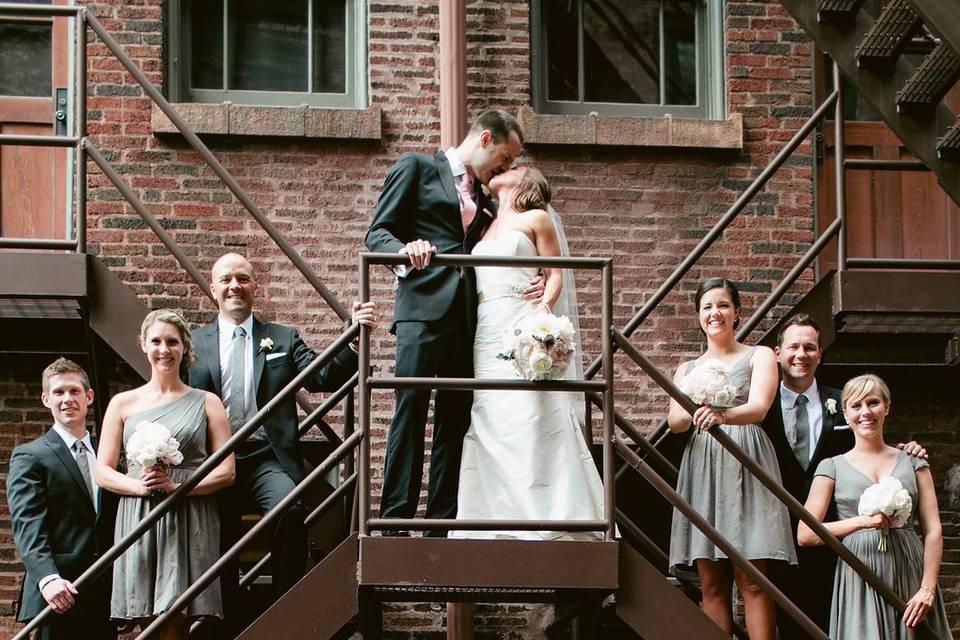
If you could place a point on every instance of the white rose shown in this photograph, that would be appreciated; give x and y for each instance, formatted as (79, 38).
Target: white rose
(723, 397)
(540, 364)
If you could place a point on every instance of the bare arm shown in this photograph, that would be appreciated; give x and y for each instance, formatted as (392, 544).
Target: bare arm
(548, 245)
(763, 388)
(818, 500)
(108, 453)
(929, 514)
(677, 417)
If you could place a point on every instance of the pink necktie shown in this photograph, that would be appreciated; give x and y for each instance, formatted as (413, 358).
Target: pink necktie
(468, 208)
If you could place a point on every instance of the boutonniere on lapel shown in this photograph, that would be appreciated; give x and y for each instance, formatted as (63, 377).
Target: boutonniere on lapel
(831, 406)
(266, 345)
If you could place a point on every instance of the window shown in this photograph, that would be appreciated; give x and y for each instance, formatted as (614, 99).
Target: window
(628, 57)
(285, 52)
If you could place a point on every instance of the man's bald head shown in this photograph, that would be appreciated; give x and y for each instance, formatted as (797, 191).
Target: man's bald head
(233, 286)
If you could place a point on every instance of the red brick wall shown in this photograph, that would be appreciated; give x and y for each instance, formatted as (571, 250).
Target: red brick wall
(645, 207)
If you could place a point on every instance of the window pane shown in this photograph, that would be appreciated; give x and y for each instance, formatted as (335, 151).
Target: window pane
(206, 42)
(25, 60)
(329, 47)
(621, 50)
(680, 51)
(267, 46)
(561, 36)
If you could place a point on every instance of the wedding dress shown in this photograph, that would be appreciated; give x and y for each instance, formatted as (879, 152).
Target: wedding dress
(524, 456)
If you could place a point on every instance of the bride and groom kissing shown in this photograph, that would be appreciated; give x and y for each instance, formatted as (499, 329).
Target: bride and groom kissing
(496, 455)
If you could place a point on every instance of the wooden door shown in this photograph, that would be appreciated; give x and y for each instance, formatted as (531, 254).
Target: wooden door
(34, 54)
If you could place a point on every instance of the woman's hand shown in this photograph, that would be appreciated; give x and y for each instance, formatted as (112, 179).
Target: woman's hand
(918, 606)
(156, 479)
(706, 417)
(876, 521)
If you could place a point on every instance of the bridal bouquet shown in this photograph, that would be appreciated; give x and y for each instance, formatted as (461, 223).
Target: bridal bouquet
(889, 498)
(708, 384)
(151, 444)
(540, 347)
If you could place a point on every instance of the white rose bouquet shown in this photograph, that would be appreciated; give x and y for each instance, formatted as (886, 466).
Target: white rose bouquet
(540, 347)
(709, 384)
(889, 498)
(151, 444)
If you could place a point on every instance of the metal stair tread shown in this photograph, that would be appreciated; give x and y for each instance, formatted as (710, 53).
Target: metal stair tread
(888, 35)
(931, 80)
(837, 11)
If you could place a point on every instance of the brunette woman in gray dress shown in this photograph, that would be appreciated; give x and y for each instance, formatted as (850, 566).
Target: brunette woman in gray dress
(715, 483)
(910, 566)
(184, 543)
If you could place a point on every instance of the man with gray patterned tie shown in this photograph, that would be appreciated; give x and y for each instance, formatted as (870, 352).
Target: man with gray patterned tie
(247, 362)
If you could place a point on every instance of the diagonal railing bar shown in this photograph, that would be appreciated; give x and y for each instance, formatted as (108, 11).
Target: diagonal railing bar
(716, 538)
(652, 548)
(308, 522)
(717, 230)
(775, 487)
(147, 217)
(268, 520)
(106, 560)
(194, 141)
(666, 467)
(328, 405)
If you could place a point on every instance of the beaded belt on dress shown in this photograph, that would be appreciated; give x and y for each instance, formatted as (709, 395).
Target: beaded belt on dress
(503, 291)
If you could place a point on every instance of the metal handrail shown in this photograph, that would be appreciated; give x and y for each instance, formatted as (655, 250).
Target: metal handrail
(772, 484)
(608, 524)
(107, 559)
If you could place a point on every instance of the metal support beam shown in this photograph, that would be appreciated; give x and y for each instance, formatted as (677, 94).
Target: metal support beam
(453, 72)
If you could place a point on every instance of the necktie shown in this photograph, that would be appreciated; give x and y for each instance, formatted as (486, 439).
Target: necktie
(236, 410)
(802, 448)
(468, 208)
(80, 455)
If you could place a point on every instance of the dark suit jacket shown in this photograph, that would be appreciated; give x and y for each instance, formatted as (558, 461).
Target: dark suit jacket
(55, 526)
(273, 370)
(832, 442)
(419, 201)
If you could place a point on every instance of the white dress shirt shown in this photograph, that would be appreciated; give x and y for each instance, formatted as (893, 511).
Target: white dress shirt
(69, 439)
(225, 329)
(788, 405)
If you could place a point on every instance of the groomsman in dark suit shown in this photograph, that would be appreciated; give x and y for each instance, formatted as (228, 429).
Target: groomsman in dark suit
(436, 204)
(247, 362)
(806, 425)
(61, 521)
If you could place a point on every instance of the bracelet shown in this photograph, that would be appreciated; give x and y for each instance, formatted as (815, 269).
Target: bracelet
(546, 306)
(926, 588)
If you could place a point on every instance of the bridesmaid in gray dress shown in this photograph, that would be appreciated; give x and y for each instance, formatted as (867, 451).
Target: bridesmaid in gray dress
(183, 544)
(715, 483)
(910, 566)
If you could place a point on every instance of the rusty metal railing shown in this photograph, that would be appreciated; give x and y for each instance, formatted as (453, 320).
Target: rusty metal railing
(608, 524)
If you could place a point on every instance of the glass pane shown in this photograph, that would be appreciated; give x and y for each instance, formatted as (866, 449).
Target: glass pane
(561, 40)
(621, 48)
(680, 51)
(26, 67)
(206, 44)
(267, 45)
(329, 46)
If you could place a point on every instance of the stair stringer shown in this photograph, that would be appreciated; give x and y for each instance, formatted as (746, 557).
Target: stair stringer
(320, 605)
(655, 609)
(115, 314)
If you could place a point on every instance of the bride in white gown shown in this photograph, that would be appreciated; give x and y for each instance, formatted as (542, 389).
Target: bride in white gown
(524, 456)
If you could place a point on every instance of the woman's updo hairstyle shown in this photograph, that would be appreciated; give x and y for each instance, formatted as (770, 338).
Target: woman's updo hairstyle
(531, 192)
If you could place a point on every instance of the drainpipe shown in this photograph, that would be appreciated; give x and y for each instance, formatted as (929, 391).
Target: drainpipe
(453, 72)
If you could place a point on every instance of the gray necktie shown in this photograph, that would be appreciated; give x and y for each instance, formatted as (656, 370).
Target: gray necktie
(80, 455)
(236, 409)
(802, 448)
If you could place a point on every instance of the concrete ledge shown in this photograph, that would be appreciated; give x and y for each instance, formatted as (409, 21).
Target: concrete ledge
(289, 122)
(539, 128)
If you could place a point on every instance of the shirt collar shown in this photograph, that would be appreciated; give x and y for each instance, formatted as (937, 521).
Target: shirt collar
(226, 327)
(69, 439)
(788, 397)
(456, 164)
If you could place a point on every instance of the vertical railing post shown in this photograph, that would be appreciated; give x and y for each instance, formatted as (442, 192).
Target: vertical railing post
(363, 486)
(839, 173)
(606, 321)
(80, 118)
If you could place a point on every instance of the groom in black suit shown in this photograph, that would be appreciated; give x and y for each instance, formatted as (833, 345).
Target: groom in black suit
(61, 520)
(805, 425)
(435, 204)
(246, 362)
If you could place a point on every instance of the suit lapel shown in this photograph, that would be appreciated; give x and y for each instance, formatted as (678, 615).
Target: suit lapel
(260, 331)
(827, 423)
(210, 342)
(56, 444)
(449, 184)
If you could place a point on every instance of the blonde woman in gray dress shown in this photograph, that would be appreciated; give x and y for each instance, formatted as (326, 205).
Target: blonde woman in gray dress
(908, 564)
(184, 543)
(714, 482)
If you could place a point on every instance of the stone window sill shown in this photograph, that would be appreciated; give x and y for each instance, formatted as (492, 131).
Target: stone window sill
(290, 122)
(540, 128)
